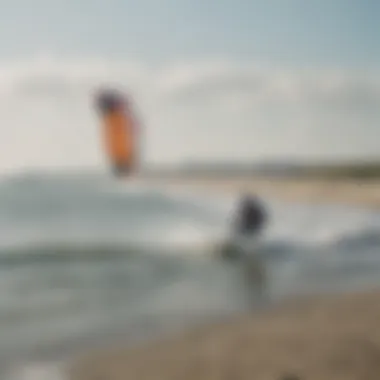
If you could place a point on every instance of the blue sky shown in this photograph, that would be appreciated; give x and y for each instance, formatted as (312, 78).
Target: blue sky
(314, 32)
(272, 78)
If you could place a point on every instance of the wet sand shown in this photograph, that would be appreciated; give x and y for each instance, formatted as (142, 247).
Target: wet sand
(326, 338)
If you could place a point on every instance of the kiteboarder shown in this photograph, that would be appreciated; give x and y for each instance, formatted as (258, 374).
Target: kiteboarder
(248, 222)
(250, 217)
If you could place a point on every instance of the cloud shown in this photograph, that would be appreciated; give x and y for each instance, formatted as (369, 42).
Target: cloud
(200, 109)
(194, 82)
(271, 85)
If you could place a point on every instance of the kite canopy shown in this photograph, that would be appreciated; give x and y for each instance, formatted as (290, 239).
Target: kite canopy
(119, 130)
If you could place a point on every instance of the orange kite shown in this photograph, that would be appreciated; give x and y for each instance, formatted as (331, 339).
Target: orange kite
(119, 131)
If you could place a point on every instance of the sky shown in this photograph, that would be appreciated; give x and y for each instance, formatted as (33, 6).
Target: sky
(226, 79)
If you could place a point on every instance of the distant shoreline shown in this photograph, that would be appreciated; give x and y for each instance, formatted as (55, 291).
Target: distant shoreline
(364, 170)
(345, 191)
(352, 183)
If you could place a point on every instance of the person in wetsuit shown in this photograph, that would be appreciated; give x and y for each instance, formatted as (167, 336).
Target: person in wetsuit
(251, 216)
(248, 222)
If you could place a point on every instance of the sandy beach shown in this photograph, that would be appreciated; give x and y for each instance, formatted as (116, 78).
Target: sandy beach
(327, 338)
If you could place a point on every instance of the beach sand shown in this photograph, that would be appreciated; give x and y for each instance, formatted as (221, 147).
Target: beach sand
(321, 338)
(326, 338)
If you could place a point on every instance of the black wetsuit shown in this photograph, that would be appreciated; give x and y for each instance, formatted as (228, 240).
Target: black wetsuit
(251, 216)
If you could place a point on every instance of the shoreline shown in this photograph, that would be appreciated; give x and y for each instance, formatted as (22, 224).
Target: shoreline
(322, 337)
(362, 193)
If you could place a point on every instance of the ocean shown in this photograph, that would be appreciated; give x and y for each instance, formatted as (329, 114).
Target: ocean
(86, 260)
